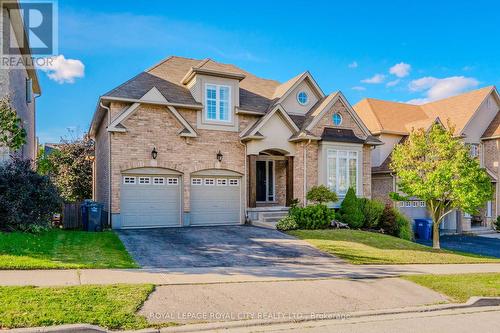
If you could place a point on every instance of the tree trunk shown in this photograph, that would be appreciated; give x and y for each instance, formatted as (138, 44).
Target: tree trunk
(435, 235)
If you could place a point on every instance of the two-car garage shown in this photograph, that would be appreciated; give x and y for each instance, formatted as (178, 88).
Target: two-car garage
(153, 198)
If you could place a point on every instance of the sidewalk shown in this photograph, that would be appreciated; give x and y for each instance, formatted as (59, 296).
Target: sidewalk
(230, 274)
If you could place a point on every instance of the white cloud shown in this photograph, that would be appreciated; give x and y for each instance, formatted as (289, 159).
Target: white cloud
(377, 78)
(358, 88)
(400, 70)
(435, 88)
(63, 70)
(393, 83)
(353, 64)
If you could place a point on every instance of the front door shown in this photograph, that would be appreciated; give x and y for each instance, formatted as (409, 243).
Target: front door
(265, 181)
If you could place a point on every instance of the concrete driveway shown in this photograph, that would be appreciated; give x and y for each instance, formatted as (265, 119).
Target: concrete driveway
(222, 246)
(469, 244)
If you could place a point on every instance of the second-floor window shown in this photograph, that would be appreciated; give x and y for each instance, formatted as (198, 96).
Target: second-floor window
(218, 103)
(474, 150)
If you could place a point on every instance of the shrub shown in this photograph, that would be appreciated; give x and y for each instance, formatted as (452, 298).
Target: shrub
(372, 210)
(312, 217)
(27, 199)
(388, 220)
(403, 224)
(287, 223)
(321, 194)
(497, 223)
(350, 210)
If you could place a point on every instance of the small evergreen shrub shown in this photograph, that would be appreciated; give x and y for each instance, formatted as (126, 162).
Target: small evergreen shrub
(312, 217)
(388, 220)
(27, 199)
(350, 210)
(497, 223)
(287, 223)
(404, 229)
(372, 210)
(321, 194)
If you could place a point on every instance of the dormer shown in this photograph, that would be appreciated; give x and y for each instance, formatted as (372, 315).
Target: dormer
(216, 86)
(299, 94)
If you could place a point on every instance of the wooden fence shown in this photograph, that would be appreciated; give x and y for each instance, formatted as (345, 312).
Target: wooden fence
(72, 216)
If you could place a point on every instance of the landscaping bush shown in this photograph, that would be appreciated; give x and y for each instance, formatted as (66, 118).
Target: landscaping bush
(388, 220)
(403, 224)
(27, 199)
(372, 210)
(312, 217)
(287, 223)
(350, 210)
(497, 223)
(321, 194)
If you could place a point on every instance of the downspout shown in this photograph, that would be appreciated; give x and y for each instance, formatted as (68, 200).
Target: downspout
(245, 175)
(305, 172)
(109, 162)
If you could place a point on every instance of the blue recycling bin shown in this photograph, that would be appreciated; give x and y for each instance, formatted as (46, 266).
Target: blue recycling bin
(95, 217)
(423, 228)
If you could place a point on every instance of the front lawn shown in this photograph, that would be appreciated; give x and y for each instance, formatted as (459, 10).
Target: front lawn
(460, 287)
(63, 249)
(362, 247)
(112, 307)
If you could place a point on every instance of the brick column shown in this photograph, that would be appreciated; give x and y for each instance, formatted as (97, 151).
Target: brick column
(289, 180)
(252, 181)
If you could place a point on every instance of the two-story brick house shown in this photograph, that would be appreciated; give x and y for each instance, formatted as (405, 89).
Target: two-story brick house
(476, 120)
(196, 142)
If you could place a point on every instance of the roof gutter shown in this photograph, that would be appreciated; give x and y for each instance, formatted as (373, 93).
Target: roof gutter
(134, 100)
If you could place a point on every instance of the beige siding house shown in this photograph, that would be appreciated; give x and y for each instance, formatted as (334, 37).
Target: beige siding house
(195, 142)
(475, 118)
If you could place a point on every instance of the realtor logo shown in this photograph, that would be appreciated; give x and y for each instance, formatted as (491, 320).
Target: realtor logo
(29, 25)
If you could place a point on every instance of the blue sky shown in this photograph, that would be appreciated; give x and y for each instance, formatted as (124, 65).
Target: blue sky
(442, 47)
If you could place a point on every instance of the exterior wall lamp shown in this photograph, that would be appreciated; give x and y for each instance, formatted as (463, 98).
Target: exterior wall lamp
(154, 153)
(219, 156)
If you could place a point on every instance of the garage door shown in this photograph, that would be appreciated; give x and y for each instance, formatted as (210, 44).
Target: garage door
(215, 200)
(149, 201)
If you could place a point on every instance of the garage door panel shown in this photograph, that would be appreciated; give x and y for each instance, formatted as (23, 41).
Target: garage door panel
(215, 204)
(150, 205)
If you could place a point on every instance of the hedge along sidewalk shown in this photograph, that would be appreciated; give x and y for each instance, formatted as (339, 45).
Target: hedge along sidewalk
(63, 249)
(363, 247)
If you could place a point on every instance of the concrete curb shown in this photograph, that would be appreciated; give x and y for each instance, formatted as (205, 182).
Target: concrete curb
(473, 302)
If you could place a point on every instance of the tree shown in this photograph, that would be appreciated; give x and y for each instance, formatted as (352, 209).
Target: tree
(71, 169)
(321, 194)
(350, 210)
(436, 167)
(12, 135)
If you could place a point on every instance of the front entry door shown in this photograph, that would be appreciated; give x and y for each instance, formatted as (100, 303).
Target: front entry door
(265, 181)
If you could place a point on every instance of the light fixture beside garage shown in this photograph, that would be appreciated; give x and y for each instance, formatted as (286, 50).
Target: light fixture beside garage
(219, 156)
(154, 153)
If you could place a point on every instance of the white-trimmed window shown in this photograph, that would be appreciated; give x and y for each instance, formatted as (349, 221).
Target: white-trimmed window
(221, 182)
(234, 182)
(218, 103)
(196, 181)
(209, 181)
(128, 180)
(144, 180)
(422, 203)
(407, 204)
(172, 181)
(342, 170)
(158, 181)
(414, 203)
(474, 150)
(302, 98)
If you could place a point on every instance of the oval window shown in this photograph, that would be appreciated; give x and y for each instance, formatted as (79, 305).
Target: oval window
(337, 119)
(302, 98)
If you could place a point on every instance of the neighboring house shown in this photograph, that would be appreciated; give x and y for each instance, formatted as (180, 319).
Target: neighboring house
(476, 120)
(196, 142)
(20, 84)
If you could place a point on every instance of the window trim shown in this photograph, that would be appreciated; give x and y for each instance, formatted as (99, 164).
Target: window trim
(195, 183)
(144, 183)
(158, 178)
(329, 152)
(217, 104)
(219, 182)
(129, 178)
(212, 180)
(341, 119)
(172, 181)
(235, 181)
(307, 97)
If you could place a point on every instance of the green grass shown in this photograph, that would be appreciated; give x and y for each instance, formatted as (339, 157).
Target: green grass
(63, 249)
(460, 287)
(112, 307)
(362, 247)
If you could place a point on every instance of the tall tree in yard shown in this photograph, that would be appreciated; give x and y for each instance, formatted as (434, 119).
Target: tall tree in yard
(436, 167)
(71, 169)
(12, 135)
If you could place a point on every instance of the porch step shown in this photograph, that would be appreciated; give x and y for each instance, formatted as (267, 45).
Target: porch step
(267, 217)
(481, 231)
